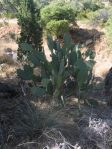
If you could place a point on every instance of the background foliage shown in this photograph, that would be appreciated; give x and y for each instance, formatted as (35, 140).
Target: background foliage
(56, 17)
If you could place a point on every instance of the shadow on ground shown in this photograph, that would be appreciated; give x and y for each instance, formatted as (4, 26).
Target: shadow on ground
(85, 36)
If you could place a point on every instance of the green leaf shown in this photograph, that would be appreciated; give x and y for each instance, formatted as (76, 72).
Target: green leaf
(26, 47)
(55, 63)
(67, 40)
(82, 74)
(57, 45)
(80, 64)
(50, 43)
(37, 91)
(61, 68)
(26, 73)
(33, 57)
(82, 77)
(50, 88)
(59, 81)
(73, 58)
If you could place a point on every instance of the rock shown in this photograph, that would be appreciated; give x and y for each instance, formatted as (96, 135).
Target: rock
(88, 42)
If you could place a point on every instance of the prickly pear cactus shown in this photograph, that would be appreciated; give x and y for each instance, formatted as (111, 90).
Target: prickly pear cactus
(67, 62)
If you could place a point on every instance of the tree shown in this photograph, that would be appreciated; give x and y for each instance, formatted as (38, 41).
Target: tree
(28, 15)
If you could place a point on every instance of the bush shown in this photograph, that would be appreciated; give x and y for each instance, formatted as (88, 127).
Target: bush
(60, 12)
(67, 65)
(88, 8)
(90, 5)
(58, 28)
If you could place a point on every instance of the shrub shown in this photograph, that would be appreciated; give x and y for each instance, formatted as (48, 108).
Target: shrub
(57, 28)
(59, 12)
(90, 5)
(88, 8)
(67, 64)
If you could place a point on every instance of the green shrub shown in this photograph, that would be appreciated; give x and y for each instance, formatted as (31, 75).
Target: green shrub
(88, 8)
(90, 5)
(66, 62)
(58, 28)
(59, 12)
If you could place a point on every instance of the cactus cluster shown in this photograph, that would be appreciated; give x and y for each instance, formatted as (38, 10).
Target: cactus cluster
(66, 61)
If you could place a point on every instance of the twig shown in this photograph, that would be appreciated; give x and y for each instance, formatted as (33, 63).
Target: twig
(26, 143)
